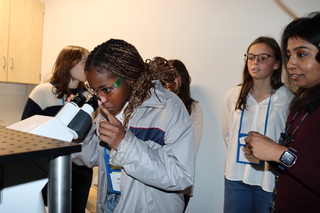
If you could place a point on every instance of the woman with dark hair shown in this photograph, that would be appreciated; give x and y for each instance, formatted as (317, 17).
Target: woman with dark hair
(143, 137)
(297, 152)
(68, 78)
(260, 103)
(181, 87)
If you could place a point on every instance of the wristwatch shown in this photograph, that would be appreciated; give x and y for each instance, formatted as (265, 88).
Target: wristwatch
(287, 159)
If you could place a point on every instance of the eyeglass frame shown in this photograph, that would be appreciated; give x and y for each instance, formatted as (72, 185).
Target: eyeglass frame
(114, 86)
(257, 56)
(82, 61)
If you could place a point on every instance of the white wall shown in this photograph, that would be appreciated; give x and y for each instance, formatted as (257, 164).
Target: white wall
(209, 36)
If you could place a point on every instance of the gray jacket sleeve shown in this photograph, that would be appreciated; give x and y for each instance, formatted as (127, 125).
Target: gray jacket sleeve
(89, 155)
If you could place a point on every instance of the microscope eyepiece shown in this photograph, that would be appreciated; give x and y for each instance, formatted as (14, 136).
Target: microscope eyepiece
(79, 99)
(93, 102)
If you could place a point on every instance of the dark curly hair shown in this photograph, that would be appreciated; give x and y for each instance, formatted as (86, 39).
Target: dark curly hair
(68, 57)
(122, 59)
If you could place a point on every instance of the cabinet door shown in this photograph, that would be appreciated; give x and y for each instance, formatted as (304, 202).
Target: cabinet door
(25, 41)
(4, 31)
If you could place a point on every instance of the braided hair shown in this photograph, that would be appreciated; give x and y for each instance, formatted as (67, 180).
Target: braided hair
(122, 59)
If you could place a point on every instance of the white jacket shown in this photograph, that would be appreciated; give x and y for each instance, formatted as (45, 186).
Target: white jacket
(157, 156)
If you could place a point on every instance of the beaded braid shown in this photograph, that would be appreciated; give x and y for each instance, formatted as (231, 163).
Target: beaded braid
(122, 59)
(161, 70)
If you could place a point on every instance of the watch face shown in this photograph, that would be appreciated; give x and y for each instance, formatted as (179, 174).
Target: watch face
(288, 158)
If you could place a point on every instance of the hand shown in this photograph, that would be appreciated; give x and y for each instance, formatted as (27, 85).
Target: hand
(111, 131)
(263, 148)
(70, 98)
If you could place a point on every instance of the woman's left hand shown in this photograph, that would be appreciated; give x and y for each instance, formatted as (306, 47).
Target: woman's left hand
(111, 130)
(263, 148)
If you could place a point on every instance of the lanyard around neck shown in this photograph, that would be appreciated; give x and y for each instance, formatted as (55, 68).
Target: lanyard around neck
(267, 115)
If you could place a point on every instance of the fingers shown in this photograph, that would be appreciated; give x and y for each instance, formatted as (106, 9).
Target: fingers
(251, 135)
(111, 117)
(107, 131)
(70, 98)
(248, 141)
(106, 127)
(249, 148)
(111, 130)
(254, 133)
(110, 133)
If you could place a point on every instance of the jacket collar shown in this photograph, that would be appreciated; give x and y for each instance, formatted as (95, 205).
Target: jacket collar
(158, 96)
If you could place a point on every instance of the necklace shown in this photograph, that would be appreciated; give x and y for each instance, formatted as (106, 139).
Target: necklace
(285, 137)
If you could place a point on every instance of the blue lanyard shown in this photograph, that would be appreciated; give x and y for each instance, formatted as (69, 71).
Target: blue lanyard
(109, 172)
(267, 116)
(62, 101)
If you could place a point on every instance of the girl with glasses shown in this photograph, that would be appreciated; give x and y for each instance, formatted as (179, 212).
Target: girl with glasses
(297, 153)
(143, 137)
(260, 103)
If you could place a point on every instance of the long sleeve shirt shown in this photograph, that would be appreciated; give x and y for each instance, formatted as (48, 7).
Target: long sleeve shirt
(299, 187)
(254, 119)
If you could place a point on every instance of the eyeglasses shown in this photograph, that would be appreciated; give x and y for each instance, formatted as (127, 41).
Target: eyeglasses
(262, 58)
(106, 91)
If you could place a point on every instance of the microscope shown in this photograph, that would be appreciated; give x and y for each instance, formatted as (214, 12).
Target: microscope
(71, 122)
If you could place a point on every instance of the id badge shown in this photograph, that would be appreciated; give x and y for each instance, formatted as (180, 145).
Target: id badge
(113, 175)
(243, 156)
